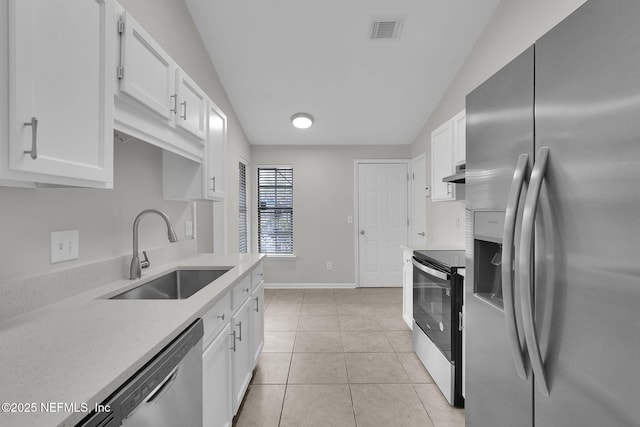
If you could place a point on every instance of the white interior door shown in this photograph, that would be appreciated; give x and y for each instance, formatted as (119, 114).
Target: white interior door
(382, 222)
(418, 201)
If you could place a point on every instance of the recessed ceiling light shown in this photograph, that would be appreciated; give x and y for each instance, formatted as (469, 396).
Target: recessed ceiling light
(302, 120)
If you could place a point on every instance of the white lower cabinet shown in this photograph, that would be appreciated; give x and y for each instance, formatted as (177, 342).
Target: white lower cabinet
(217, 386)
(242, 356)
(228, 359)
(257, 323)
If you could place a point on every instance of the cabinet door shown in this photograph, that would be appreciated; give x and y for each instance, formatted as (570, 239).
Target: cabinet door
(191, 112)
(61, 95)
(257, 324)
(459, 138)
(242, 366)
(215, 154)
(442, 162)
(148, 72)
(217, 381)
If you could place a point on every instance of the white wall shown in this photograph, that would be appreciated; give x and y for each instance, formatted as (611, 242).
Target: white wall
(105, 217)
(514, 26)
(323, 198)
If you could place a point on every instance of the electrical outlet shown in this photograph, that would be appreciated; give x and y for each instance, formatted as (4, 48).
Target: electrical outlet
(65, 245)
(188, 228)
(329, 265)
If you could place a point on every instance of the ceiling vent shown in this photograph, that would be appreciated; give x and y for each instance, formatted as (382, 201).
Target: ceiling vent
(386, 28)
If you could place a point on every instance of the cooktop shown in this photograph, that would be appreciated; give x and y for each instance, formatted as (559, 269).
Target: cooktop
(446, 258)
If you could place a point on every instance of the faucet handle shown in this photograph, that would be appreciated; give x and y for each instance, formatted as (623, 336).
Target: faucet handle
(145, 263)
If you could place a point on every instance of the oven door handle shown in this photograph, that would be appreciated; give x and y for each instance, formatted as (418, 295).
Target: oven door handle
(431, 271)
(508, 285)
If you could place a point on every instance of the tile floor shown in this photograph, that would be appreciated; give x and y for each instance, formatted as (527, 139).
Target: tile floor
(341, 357)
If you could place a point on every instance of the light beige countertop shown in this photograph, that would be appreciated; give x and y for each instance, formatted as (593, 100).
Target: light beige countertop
(433, 247)
(79, 350)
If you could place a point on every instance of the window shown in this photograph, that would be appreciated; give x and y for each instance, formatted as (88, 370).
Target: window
(275, 210)
(242, 209)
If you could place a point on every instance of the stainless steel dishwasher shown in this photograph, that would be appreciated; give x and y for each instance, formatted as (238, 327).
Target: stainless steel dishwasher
(166, 392)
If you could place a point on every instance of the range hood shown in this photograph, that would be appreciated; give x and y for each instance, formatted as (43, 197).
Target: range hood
(458, 177)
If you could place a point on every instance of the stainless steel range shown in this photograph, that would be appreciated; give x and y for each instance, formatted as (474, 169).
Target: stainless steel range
(437, 314)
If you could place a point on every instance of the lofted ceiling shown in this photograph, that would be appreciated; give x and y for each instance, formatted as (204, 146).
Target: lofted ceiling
(279, 57)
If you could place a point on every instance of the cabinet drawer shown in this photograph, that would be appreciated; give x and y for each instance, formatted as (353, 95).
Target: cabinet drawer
(240, 292)
(216, 318)
(257, 276)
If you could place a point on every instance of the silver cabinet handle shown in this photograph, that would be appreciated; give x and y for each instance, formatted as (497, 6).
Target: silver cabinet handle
(184, 116)
(239, 337)
(234, 341)
(213, 183)
(460, 321)
(526, 249)
(221, 317)
(507, 264)
(257, 304)
(34, 138)
(246, 289)
(422, 234)
(174, 110)
(449, 189)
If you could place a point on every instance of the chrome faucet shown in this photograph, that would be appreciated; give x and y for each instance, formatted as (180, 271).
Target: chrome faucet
(135, 271)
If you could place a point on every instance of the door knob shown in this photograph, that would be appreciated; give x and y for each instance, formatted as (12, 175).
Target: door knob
(362, 232)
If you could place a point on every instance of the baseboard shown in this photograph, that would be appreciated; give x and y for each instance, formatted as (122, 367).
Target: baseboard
(309, 285)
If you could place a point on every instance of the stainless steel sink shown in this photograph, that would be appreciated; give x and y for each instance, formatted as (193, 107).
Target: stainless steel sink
(179, 284)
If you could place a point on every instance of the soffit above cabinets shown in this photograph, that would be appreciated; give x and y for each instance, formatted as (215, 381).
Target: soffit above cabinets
(278, 58)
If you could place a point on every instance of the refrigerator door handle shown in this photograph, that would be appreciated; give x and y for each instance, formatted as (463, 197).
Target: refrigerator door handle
(526, 254)
(507, 264)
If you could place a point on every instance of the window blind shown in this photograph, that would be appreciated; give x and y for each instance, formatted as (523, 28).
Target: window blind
(242, 209)
(275, 210)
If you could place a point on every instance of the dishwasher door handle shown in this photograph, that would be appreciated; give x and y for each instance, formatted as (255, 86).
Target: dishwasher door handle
(163, 387)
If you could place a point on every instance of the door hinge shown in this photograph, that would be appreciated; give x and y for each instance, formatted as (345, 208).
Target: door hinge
(120, 72)
(121, 26)
(414, 176)
(407, 222)
(408, 179)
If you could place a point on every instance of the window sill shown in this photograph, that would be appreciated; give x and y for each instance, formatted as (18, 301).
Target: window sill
(277, 257)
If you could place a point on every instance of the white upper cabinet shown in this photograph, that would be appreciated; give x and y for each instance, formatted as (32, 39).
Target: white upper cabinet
(442, 162)
(156, 101)
(448, 148)
(191, 111)
(459, 138)
(183, 179)
(61, 59)
(215, 154)
(147, 72)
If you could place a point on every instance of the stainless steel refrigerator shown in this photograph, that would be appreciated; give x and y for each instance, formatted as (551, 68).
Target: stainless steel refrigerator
(553, 229)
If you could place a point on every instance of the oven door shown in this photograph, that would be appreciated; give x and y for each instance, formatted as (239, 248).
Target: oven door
(432, 304)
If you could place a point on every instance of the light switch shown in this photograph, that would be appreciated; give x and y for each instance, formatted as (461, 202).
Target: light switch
(65, 245)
